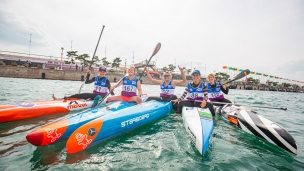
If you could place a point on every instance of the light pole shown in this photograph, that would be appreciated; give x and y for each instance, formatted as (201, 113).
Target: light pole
(61, 57)
(30, 45)
(105, 51)
(133, 57)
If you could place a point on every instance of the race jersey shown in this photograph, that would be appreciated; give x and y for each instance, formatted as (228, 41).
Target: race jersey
(195, 93)
(215, 93)
(129, 87)
(167, 91)
(100, 87)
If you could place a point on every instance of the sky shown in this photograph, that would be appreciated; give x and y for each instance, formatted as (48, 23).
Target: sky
(263, 36)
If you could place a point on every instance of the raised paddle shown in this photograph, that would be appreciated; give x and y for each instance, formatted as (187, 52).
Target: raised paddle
(92, 59)
(156, 49)
(237, 77)
(268, 107)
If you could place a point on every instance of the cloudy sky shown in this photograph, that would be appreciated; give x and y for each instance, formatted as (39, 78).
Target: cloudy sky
(263, 36)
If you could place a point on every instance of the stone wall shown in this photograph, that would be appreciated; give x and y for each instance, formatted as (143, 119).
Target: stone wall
(36, 73)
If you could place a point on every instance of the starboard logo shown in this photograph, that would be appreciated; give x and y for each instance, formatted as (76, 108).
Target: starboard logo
(103, 83)
(133, 82)
(91, 131)
(82, 140)
(77, 106)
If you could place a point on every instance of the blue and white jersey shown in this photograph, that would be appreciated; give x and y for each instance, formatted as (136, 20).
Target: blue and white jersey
(100, 87)
(167, 91)
(215, 93)
(129, 87)
(195, 93)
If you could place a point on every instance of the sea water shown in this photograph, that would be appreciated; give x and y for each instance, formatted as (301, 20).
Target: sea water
(161, 145)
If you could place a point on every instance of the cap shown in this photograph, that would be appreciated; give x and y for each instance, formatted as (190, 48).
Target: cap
(103, 68)
(196, 72)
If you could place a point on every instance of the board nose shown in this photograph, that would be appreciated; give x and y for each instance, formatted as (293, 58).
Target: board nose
(35, 137)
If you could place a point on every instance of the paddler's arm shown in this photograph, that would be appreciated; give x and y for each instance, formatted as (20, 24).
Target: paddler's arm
(225, 90)
(181, 97)
(88, 81)
(109, 87)
(204, 102)
(180, 82)
(155, 81)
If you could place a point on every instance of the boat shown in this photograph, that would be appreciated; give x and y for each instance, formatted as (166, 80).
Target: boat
(26, 110)
(60, 130)
(112, 125)
(257, 125)
(199, 125)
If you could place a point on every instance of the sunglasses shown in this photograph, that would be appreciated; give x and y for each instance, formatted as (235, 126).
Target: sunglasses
(166, 76)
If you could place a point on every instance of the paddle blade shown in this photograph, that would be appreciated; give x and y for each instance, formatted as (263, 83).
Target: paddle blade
(242, 74)
(239, 76)
(156, 49)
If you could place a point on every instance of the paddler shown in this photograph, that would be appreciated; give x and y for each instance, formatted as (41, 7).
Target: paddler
(101, 86)
(216, 91)
(196, 94)
(167, 85)
(130, 86)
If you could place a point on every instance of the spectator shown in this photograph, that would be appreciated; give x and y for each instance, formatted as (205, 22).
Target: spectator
(19, 62)
(76, 67)
(81, 67)
(27, 62)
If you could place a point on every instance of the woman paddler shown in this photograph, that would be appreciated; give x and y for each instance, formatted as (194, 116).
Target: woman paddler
(216, 91)
(196, 94)
(167, 85)
(130, 86)
(101, 86)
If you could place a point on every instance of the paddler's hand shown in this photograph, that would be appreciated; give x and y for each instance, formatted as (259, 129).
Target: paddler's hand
(112, 88)
(139, 98)
(203, 104)
(181, 69)
(174, 101)
(88, 71)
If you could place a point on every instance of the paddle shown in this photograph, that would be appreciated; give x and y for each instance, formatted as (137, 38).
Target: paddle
(268, 107)
(92, 59)
(239, 76)
(103, 98)
(156, 49)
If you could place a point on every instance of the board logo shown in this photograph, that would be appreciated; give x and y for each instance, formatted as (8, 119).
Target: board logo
(24, 104)
(91, 131)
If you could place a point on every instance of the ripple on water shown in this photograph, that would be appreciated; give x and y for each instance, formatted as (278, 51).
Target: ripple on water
(161, 145)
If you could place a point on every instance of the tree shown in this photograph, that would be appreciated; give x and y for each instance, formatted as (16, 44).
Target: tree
(189, 71)
(286, 85)
(222, 76)
(253, 81)
(165, 69)
(116, 62)
(171, 67)
(83, 58)
(71, 55)
(105, 62)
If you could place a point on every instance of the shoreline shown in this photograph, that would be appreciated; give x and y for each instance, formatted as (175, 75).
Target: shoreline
(72, 75)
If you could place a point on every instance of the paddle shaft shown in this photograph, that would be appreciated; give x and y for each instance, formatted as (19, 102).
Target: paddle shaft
(268, 107)
(92, 58)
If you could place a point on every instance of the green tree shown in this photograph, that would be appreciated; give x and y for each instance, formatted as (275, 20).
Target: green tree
(116, 62)
(165, 69)
(171, 67)
(84, 59)
(286, 85)
(222, 76)
(253, 81)
(189, 71)
(71, 57)
(105, 62)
